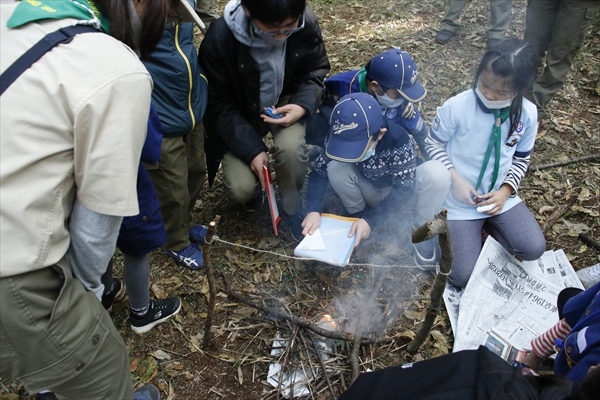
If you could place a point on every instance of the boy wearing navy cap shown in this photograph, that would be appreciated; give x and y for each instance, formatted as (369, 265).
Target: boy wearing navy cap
(392, 78)
(370, 163)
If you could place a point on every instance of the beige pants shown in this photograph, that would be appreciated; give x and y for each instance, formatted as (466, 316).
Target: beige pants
(56, 335)
(291, 161)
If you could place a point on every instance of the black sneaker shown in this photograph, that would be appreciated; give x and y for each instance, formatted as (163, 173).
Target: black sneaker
(256, 204)
(47, 395)
(444, 36)
(115, 294)
(159, 311)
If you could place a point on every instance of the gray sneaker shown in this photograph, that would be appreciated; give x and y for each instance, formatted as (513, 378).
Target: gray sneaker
(444, 36)
(147, 392)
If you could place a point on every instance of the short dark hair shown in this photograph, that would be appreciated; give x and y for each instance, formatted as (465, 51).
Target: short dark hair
(515, 59)
(153, 24)
(274, 11)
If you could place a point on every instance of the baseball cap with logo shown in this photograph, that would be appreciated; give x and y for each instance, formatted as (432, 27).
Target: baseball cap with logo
(354, 124)
(396, 69)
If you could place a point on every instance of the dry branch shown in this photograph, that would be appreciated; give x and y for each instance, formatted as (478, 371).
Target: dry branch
(318, 355)
(566, 162)
(438, 226)
(589, 241)
(212, 228)
(354, 363)
(277, 313)
(561, 210)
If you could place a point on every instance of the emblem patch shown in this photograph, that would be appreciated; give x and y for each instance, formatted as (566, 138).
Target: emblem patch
(436, 123)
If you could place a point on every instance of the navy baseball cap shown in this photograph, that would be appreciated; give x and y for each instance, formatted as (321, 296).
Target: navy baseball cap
(396, 69)
(354, 124)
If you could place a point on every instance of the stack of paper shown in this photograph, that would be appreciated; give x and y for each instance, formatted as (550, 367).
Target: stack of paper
(330, 242)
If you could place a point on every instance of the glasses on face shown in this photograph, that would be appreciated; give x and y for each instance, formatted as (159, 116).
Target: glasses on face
(173, 20)
(286, 32)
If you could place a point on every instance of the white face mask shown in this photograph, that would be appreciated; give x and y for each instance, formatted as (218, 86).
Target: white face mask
(492, 105)
(386, 101)
(370, 153)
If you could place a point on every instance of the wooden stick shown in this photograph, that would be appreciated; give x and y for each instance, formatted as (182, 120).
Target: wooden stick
(561, 210)
(212, 228)
(566, 162)
(354, 363)
(318, 355)
(589, 241)
(438, 226)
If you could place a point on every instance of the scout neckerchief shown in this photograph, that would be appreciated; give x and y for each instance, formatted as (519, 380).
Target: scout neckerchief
(500, 117)
(84, 10)
(362, 81)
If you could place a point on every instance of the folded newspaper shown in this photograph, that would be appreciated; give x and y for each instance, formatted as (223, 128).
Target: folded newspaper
(508, 302)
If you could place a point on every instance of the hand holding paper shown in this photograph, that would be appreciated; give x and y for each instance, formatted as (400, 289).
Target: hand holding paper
(311, 223)
(361, 229)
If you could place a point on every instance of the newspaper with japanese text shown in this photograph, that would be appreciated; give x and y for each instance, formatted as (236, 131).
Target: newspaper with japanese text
(508, 302)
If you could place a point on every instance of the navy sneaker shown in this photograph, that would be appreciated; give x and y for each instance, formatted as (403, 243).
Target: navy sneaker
(198, 233)
(159, 311)
(191, 257)
(147, 392)
(114, 294)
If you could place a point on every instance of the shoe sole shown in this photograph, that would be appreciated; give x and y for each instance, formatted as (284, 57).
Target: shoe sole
(426, 264)
(143, 329)
(118, 297)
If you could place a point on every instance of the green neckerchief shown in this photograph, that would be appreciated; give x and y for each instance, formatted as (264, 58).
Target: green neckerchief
(362, 81)
(500, 117)
(35, 10)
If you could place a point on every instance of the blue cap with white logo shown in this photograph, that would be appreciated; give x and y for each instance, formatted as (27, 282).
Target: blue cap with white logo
(396, 69)
(354, 124)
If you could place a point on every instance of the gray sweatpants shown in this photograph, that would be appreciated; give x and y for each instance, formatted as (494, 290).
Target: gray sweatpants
(432, 184)
(516, 229)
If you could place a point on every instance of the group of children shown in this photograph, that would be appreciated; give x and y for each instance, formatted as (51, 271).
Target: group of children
(261, 54)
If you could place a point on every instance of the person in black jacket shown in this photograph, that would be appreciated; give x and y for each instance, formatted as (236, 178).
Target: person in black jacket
(262, 53)
(468, 374)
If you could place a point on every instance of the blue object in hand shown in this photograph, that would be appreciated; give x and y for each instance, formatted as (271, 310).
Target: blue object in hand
(269, 111)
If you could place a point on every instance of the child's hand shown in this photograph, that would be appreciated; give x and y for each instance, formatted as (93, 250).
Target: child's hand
(497, 198)
(362, 230)
(257, 167)
(311, 222)
(291, 114)
(462, 190)
(532, 360)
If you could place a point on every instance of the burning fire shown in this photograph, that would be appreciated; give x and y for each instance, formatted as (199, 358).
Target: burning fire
(328, 323)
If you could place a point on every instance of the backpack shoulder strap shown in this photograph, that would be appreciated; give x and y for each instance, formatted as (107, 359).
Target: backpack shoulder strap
(47, 43)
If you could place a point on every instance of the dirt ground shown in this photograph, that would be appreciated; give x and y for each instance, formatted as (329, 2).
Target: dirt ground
(381, 287)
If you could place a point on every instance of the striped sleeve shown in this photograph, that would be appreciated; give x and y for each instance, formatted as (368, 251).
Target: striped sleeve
(517, 171)
(437, 150)
(543, 345)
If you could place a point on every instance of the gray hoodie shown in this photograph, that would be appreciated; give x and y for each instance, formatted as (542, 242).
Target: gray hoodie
(269, 58)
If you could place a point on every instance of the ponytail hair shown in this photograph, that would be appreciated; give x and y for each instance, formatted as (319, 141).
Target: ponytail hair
(514, 60)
